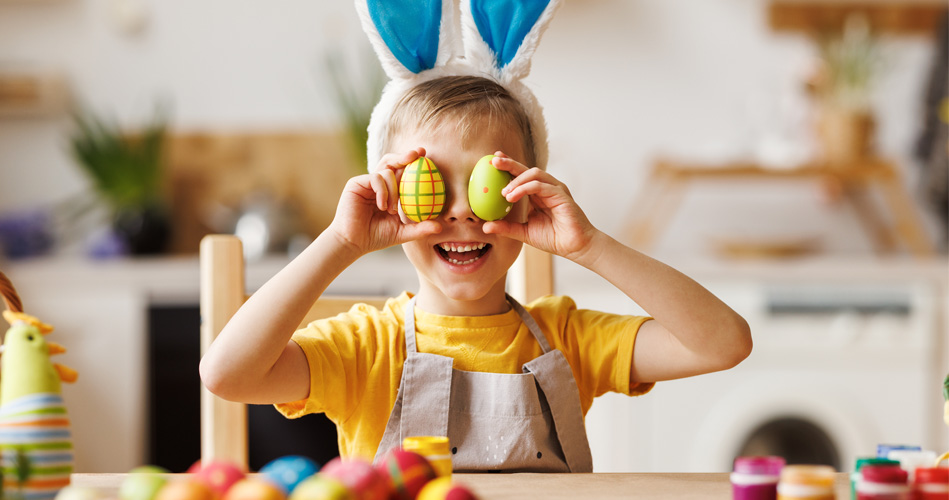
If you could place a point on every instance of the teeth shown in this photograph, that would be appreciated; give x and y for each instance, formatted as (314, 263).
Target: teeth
(461, 248)
(462, 263)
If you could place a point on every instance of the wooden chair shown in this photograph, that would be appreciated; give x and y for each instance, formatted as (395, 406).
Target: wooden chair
(224, 423)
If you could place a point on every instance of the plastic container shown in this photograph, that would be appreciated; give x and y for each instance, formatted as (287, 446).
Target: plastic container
(883, 450)
(883, 482)
(931, 483)
(806, 482)
(756, 478)
(861, 462)
(434, 448)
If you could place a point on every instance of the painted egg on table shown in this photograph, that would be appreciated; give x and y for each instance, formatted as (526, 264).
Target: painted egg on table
(484, 190)
(444, 489)
(219, 475)
(361, 478)
(321, 487)
(406, 472)
(185, 489)
(289, 471)
(142, 483)
(251, 488)
(422, 190)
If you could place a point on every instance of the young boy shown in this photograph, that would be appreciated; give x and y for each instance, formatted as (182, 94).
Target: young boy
(459, 357)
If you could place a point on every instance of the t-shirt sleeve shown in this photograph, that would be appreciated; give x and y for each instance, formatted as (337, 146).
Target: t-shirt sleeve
(339, 352)
(599, 346)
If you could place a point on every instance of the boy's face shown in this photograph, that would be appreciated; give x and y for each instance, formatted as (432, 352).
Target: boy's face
(462, 270)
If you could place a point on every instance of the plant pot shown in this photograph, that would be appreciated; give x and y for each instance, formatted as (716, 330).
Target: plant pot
(845, 136)
(146, 230)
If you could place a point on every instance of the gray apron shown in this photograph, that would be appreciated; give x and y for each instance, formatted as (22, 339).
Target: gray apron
(530, 421)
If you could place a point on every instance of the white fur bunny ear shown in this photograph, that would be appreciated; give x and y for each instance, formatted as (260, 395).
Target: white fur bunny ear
(500, 36)
(409, 36)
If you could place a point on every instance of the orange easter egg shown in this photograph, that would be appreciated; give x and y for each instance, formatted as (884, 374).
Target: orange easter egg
(254, 489)
(185, 489)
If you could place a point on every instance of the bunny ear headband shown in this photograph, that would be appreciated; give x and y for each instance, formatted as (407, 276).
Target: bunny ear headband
(419, 40)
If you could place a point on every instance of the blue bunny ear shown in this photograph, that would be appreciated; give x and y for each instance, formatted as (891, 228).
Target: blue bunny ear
(409, 36)
(506, 30)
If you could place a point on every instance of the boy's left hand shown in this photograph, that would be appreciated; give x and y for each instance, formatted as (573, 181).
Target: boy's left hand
(555, 223)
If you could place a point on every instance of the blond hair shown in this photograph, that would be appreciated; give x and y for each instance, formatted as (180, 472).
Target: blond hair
(472, 102)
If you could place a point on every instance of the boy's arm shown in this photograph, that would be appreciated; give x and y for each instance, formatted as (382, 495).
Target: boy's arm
(693, 332)
(253, 359)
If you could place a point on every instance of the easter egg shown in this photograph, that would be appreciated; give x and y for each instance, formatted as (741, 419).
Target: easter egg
(185, 489)
(422, 190)
(484, 190)
(219, 475)
(406, 472)
(142, 483)
(79, 493)
(321, 487)
(251, 488)
(289, 471)
(444, 489)
(361, 478)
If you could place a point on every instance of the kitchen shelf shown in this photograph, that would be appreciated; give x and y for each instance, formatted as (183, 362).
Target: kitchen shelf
(895, 17)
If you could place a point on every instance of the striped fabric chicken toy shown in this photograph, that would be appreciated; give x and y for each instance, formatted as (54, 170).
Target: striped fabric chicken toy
(35, 439)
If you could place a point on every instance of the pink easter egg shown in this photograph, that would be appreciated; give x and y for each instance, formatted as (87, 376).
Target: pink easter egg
(364, 481)
(219, 476)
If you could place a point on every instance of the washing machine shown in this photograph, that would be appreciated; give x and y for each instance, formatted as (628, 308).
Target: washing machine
(838, 367)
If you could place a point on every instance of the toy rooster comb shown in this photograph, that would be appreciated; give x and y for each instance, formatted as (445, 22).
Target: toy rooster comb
(35, 438)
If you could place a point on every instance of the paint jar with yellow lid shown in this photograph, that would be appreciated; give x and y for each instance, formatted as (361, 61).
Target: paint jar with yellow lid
(434, 448)
(806, 482)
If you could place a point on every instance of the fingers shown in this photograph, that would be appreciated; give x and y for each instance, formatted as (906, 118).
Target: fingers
(507, 229)
(415, 231)
(385, 178)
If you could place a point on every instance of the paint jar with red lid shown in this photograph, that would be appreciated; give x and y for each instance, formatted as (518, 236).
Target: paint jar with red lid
(756, 478)
(931, 483)
(883, 482)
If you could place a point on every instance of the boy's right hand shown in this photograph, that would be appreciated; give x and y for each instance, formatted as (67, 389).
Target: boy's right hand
(367, 217)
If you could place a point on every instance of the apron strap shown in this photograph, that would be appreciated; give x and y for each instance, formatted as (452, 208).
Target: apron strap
(553, 375)
(531, 324)
(426, 386)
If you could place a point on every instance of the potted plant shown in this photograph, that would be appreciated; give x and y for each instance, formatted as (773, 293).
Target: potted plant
(126, 174)
(843, 87)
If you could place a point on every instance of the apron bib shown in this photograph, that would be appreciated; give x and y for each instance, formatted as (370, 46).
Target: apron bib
(527, 422)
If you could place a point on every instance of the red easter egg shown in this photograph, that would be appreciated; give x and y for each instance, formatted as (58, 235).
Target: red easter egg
(444, 488)
(406, 472)
(219, 476)
(364, 481)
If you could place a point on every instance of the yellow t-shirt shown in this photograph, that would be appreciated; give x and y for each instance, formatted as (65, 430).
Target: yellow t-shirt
(356, 358)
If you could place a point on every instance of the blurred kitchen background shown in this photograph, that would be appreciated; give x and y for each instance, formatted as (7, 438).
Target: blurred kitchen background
(788, 154)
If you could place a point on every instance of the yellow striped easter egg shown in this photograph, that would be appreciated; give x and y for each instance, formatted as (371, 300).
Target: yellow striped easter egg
(422, 190)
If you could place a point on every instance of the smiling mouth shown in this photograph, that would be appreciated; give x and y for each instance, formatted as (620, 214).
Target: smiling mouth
(462, 254)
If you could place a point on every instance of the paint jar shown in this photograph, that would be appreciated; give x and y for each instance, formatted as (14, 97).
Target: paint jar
(910, 460)
(861, 462)
(883, 482)
(434, 448)
(756, 478)
(931, 483)
(806, 482)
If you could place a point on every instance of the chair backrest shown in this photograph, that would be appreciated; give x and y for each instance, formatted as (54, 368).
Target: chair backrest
(224, 423)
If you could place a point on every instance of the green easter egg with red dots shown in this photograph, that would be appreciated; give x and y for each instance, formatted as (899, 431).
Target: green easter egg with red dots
(484, 190)
(422, 190)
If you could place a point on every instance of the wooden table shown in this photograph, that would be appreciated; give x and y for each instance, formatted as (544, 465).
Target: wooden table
(665, 187)
(558, 486)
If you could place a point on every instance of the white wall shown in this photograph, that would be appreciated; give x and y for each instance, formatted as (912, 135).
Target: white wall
(622, 82)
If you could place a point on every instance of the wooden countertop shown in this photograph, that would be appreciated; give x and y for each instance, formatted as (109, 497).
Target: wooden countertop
(682, 486)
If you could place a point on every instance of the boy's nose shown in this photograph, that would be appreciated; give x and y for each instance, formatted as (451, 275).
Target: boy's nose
(456, 206)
